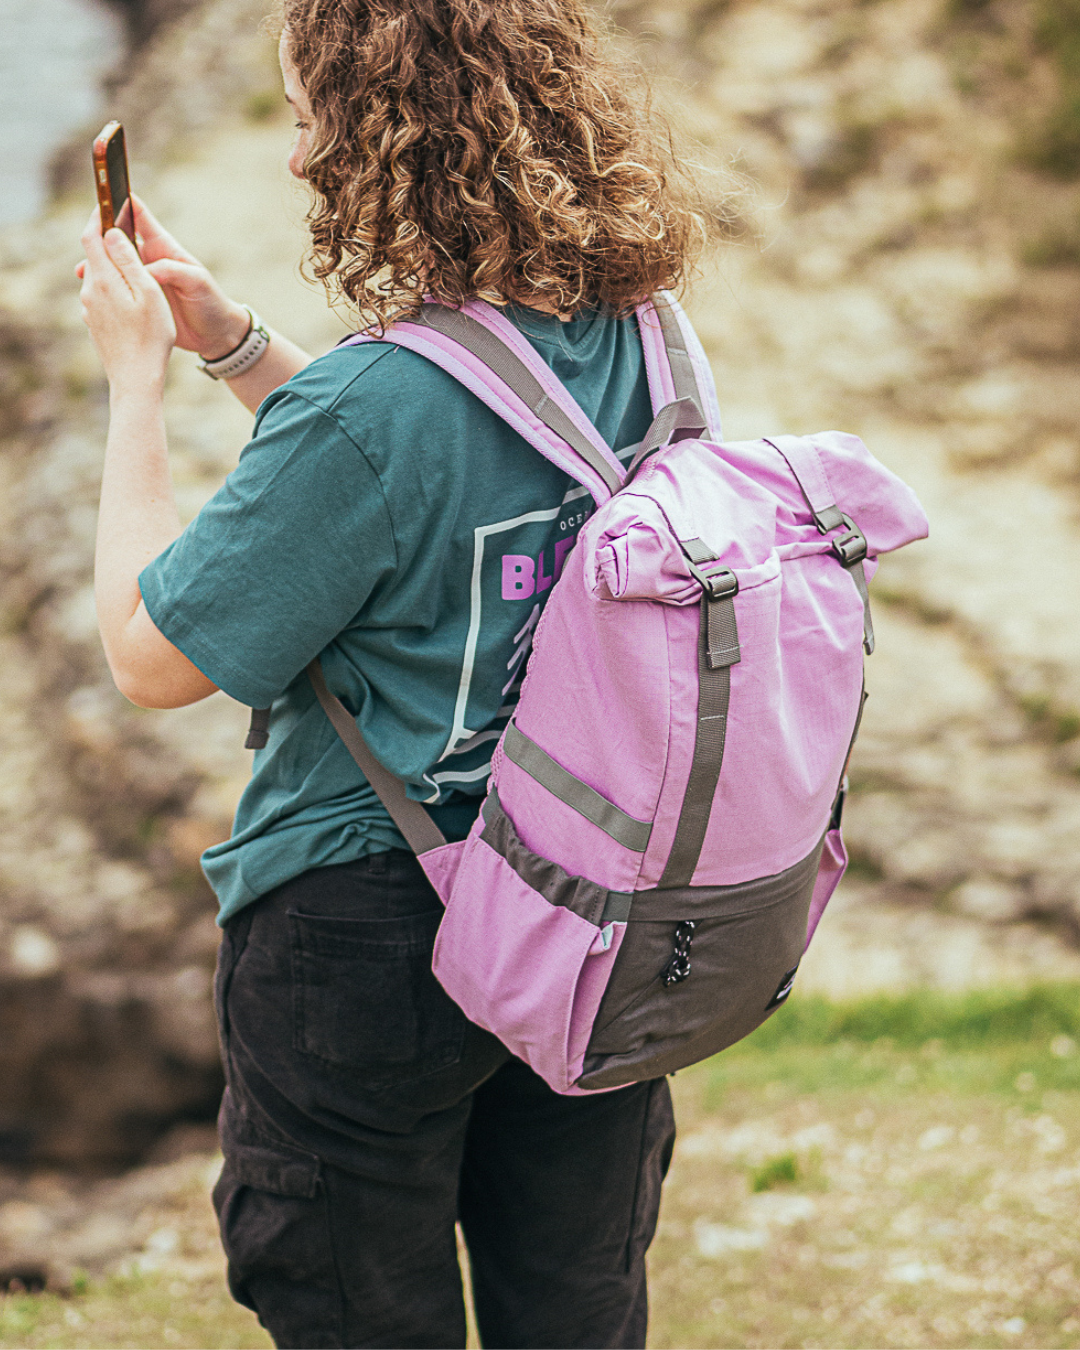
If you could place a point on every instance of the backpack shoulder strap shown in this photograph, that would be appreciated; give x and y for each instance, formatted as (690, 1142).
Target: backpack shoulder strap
(420, 831)
(483, 351)
(675, 360)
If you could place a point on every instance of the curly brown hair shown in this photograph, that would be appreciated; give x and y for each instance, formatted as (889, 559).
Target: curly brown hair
(482, 149)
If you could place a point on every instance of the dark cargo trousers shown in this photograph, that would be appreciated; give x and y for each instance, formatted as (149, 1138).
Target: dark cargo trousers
(364, 1115)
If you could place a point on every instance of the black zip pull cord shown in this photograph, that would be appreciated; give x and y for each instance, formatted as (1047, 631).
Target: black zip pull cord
(678, 968)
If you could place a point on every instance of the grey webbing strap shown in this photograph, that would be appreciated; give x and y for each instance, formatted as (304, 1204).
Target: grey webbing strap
(836, 814)
(488, 347)
(420, 831)
(721, 632)
(858, 575)
(850, 548)
(721, 635)
(829, 519)
(718, 651)
(682, 367)
(258, 729)
(674, 422)
(586, 801)
(698, 551)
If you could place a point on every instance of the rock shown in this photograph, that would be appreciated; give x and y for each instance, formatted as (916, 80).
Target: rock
(990, 899)
(58, 1227)
(107, 940)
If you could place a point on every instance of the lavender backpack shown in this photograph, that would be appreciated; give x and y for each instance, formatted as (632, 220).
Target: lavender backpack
(662, 829)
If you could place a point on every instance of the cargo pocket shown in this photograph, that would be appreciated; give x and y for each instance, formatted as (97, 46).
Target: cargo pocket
(275, 1230)
(364, 996)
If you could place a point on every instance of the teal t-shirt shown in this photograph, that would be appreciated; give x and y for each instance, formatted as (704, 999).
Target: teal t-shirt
(385, 519)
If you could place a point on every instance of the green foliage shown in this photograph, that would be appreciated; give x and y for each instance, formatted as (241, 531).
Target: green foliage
(855, 151)
(262, 105)
(964, 9)
(1057, 248)
(976, 1018)
(1054, 723)
(1067, 727)
(1057, 30)
(1054, 146)
(780, 1171)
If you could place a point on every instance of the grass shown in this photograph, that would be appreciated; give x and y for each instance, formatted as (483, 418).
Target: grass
(971, 1044)
(893, 1171)
(890, 1171)
(978, 1018)
(779, 1171)
(137, 1311)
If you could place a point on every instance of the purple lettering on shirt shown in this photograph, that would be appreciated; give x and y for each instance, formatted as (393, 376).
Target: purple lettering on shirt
(543, 581)
(518, 576)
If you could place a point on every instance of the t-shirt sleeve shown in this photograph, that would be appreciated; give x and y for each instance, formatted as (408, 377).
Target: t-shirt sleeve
(280, 560)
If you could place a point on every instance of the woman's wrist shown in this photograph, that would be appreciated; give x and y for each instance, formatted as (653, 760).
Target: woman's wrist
(248, 352)
(137, 383)
(232, 334)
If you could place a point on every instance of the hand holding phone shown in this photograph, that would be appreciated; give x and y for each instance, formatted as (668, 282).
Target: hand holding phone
(123, 304)
(111, 181)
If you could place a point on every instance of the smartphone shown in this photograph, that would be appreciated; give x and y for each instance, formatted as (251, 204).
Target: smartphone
(111, 180)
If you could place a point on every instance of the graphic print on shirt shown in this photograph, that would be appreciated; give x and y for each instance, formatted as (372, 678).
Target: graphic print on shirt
(515, 564)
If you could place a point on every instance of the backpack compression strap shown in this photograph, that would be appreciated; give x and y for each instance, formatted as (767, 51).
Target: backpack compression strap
(718, 651)
(805, 463)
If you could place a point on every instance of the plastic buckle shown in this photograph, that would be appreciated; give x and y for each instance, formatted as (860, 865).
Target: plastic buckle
(850, 547)
(837, 815)
(720, 585)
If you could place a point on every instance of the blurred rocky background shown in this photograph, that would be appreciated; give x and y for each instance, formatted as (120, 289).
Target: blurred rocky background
(908, 268)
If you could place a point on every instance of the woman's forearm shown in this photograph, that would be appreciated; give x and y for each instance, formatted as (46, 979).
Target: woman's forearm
(137, 520)
(138, 516)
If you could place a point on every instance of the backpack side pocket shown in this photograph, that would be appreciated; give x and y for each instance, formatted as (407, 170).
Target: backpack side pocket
(526, 950)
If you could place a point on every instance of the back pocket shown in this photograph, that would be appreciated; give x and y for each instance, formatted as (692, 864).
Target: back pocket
(364, 996)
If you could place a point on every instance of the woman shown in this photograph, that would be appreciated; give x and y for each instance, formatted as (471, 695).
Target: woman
(461, 149)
